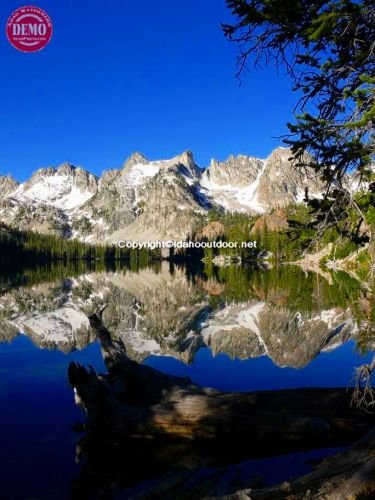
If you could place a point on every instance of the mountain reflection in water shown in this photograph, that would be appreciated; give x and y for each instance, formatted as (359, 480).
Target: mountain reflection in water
(234, 328)
(284, 314)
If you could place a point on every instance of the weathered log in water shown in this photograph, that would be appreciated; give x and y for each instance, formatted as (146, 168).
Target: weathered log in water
(136, 400)
(135, 407)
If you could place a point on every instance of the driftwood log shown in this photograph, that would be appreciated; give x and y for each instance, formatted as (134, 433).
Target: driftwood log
(143, 411)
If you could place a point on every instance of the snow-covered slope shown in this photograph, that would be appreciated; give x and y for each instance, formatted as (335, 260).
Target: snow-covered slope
(56, 191)
(46, 203)
(66, 187)
(251, 185)
(290, 339)
(149, 199)
(239, 192)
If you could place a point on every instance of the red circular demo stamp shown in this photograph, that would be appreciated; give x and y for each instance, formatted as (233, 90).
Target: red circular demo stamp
(29, 28)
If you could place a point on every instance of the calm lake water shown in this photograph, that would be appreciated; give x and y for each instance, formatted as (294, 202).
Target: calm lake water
(234, 328)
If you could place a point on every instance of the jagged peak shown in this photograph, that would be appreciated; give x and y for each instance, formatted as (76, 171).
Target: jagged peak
(240, 161)
(48, 171)
(234, 158)
(8, 178)
(62, 169)
(66, 168)
(8, 184)
(187, 156)
(187, 160)
(69, 169)
(135, 158)
(280, 151)
(285, 155)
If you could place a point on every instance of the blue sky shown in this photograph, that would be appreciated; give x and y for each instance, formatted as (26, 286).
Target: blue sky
(121, 76)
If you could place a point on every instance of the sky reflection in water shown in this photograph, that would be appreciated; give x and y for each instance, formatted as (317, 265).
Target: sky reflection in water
(38, 410)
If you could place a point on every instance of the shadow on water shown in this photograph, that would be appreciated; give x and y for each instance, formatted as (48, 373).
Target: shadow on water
(182, 437)
(233, 328)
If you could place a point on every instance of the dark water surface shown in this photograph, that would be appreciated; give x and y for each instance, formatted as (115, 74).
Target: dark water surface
(329, 369)
(236, 329)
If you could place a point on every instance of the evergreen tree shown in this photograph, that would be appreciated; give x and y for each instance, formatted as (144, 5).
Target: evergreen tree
(327, 47)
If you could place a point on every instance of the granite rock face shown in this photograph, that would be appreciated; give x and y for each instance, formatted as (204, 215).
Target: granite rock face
(7, 185)
(237, 171)
(275, 221)
(151, 200)
(282, 183)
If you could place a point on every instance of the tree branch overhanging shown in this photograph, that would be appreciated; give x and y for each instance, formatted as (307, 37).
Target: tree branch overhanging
(327, 48)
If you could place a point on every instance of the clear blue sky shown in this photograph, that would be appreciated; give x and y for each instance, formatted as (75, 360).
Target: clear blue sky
(121, 76)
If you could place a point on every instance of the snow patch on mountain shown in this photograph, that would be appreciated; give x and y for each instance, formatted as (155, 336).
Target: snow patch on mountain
(59, 191)
(55, 326)
(162, 198)
(232, 198)
(140, 173)
(137, 341)
(233, 316)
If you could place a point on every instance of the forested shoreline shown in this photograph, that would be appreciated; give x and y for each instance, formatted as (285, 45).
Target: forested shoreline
(29, 246)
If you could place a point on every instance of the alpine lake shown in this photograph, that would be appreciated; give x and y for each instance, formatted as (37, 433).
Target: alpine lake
(235, 329)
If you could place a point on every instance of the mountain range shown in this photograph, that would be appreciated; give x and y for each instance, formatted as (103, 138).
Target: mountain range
(151, 200)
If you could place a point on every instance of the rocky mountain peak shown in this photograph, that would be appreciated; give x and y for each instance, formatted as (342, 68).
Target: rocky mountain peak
(187, 160)
(44, 172)
(86, 181)
(280, 153)
(7, 184)
(74, 177)
(282, 182)
(236, 170)
(134, 159)
(41, 173)
(156, 199)
(68, 169)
